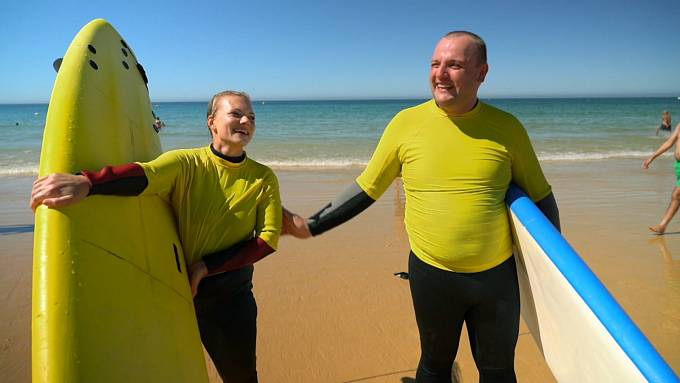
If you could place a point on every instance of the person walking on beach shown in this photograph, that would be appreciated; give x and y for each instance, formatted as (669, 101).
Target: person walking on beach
(665, 122)
(457, 157)
(220, 198)
(675, 195)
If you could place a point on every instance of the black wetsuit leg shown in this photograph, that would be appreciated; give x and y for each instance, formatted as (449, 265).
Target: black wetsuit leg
(227, 319)
(488, 303)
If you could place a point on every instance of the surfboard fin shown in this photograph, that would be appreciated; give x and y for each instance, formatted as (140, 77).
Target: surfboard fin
(57, 64)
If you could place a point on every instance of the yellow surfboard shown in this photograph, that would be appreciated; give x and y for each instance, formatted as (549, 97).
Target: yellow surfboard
(111, 299)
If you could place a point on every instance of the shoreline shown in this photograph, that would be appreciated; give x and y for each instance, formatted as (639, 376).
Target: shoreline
(316, 166)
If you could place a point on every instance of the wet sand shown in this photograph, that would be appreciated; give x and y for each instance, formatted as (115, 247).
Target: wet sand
(330, 309)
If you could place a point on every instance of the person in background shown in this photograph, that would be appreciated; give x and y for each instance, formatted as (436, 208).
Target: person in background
(158, 124)
(660, 228)
(665, 122)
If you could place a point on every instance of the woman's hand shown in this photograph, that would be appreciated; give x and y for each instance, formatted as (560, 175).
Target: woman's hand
(295, 225)
(197, 272)
(57, 190)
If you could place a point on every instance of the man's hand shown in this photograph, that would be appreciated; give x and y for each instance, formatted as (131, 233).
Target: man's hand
(645, 165)
(57, 190)
(197, 272)
(295, 225)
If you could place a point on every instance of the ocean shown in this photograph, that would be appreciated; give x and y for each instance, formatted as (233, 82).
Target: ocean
(340, 134)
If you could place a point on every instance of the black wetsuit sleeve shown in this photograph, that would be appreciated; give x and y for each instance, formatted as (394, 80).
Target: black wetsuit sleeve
(548, 206)
(238, 256)
(122, 180)
(345, 206)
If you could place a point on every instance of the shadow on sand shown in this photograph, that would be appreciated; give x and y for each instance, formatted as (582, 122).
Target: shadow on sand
(368, 378)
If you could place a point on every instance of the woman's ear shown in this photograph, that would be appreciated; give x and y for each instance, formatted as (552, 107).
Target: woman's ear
(210, 122)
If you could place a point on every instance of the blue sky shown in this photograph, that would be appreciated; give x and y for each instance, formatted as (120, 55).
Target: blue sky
(354, 49)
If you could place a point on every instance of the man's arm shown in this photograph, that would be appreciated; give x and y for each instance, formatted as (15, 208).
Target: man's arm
(349, 203)
(662, 149)
(384, 166)
(548, 206)
(59, 189)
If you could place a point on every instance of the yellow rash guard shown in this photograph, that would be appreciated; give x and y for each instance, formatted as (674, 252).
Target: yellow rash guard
(456, 171)
(217, 203)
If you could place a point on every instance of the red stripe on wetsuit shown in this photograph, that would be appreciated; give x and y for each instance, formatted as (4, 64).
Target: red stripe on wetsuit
(240, 255)
(123, 180)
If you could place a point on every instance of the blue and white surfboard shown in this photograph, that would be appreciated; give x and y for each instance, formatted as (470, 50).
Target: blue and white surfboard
(584, 334)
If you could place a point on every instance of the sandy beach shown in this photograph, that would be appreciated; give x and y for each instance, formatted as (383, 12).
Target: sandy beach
(330, 309)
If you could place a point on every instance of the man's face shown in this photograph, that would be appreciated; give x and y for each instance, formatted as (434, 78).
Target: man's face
(456, 74)
(233, 121)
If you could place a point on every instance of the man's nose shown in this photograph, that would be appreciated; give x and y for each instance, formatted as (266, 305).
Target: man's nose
(441, 72)
(245, 119)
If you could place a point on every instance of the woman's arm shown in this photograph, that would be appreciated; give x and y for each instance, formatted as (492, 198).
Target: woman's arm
(59, 189)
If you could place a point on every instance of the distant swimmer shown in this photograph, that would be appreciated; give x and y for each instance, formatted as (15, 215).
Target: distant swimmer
(158, 124)
(665, 122)
(675, 196)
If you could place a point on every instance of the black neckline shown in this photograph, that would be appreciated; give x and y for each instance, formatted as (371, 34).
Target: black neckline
(235, 160)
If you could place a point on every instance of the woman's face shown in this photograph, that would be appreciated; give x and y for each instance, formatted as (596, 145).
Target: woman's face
(233, 122)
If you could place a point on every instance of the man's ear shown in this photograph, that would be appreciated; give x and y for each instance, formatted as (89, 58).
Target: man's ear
(482, 72)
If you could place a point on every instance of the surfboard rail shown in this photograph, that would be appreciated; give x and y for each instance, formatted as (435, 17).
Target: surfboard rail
(111, 300)
(591, 290)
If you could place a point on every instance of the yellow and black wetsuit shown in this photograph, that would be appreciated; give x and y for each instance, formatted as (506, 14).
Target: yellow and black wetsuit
(228, 212)
(456, 171)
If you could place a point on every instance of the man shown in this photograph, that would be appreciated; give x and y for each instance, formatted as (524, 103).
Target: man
(220, 198)
(660, 229)
(456, 156)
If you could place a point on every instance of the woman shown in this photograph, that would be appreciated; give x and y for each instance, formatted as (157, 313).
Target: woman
(228, 213)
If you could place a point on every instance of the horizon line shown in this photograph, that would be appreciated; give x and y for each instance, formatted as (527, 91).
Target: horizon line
(555, 97)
